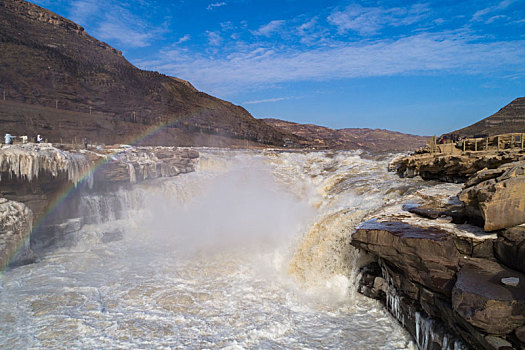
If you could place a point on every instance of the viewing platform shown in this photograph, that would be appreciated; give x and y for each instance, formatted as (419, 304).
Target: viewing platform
(511, 141)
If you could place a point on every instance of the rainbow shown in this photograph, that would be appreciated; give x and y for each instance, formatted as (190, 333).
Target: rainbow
(61, 197)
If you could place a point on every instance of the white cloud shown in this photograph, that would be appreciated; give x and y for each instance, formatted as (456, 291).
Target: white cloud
(495, 18)
(370, 20)
(479, 15)
(268, 100)
(307, 26)
(110, 21)
(123, 34)
(424, 53)
(270, 28)
(228, 25)
(81, 10)
(215, 5)
(312, 32)
(214, 38)
(183, 39)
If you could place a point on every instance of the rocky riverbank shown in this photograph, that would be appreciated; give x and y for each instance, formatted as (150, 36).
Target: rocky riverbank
(452, 167)
(449, 264)
(34, 178)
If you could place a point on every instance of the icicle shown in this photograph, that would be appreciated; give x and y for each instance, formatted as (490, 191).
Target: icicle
(28, 161)
(132, 175)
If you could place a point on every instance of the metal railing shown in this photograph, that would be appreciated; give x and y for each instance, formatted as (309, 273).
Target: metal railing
(513, 141)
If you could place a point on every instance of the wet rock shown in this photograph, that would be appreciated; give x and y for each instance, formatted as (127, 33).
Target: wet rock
(434, 211)
(482, 300)
(112, 236)
(520, 334)
(371, 284)
(380, 284)
(498, 343)
(499, 202)
(428, 332)
(427, 256)
(426, 212)
(483, 249)
(509, 248)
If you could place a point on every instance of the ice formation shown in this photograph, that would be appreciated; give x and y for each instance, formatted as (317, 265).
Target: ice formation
(15, 224)
(29, 161)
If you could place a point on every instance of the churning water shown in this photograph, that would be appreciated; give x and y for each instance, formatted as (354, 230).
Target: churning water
(250, 251)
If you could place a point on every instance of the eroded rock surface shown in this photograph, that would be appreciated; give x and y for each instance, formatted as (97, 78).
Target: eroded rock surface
(509, 248)
(497, 197)
(441, 279)
(426, 256)
(483, 300)
(451, 168)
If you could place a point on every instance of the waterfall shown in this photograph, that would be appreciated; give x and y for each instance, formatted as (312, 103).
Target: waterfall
(251, 250)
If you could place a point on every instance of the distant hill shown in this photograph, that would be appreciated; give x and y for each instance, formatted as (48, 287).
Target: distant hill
(63, 83)
(375, 140)
(509, 119)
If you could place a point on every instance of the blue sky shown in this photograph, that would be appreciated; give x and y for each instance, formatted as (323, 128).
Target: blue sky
(419, 67)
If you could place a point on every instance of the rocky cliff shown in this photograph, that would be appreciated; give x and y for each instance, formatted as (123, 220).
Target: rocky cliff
(62, 83)
(449, 264)
(452, 167)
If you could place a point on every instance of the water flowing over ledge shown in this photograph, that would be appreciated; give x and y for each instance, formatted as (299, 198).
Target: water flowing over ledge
(41, 177)
(223, 253)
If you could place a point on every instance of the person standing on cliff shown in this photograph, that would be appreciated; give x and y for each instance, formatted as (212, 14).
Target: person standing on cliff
(85, 142)
(9, 139)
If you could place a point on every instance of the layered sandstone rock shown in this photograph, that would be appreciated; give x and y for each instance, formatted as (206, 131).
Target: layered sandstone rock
(483, 299)
(441, 279)
(485, 307)
(509, 248)
(451, 168)
(427, 256)
(497, 196)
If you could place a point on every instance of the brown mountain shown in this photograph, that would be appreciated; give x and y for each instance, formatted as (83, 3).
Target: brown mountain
(375, 140)
(63, 83)
(509, 119)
